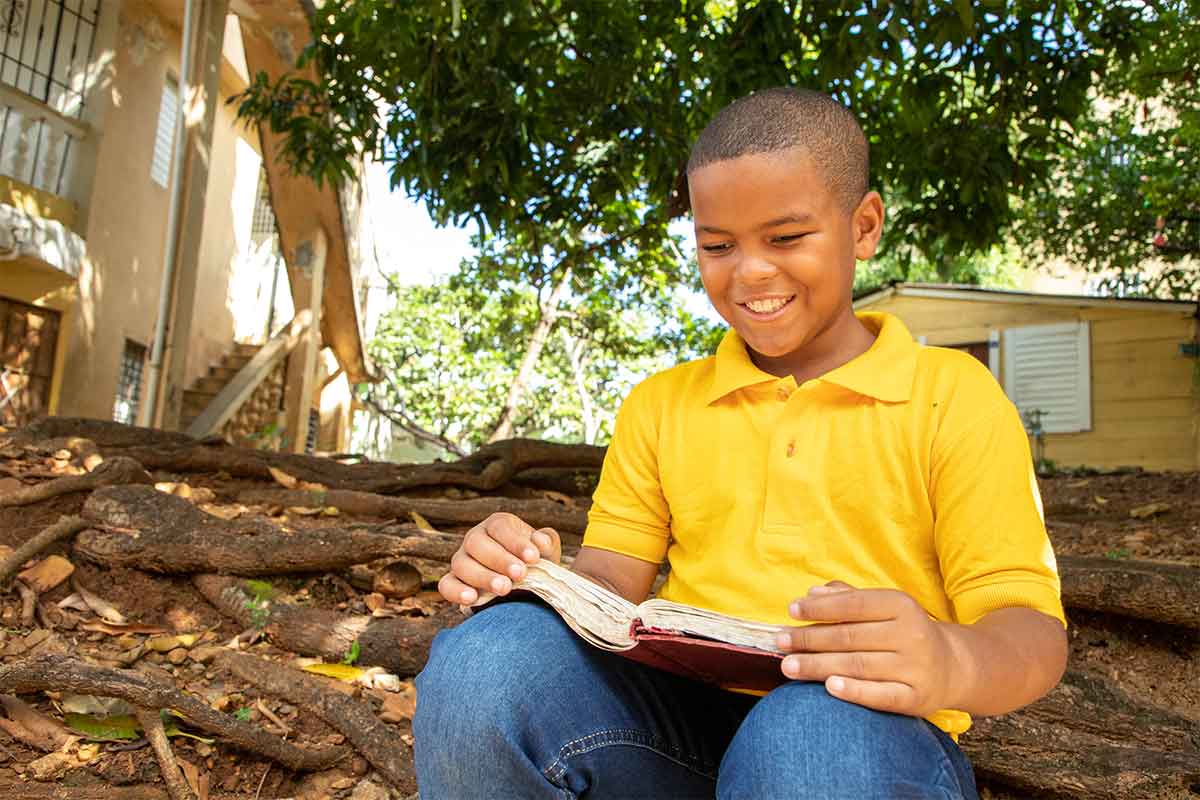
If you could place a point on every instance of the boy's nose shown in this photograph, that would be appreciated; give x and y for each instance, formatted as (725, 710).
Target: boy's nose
(753, 268)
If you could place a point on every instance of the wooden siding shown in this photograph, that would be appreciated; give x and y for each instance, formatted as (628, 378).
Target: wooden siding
(1145, 393)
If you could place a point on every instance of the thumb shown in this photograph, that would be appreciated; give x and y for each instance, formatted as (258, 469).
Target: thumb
(548, 544)
(832, 587)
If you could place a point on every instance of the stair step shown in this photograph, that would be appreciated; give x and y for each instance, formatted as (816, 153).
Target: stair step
(247, 349)
(222, 373)
(235, 362)
(210, 384)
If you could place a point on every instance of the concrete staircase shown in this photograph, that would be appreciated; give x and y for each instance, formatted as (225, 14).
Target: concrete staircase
(196, 399)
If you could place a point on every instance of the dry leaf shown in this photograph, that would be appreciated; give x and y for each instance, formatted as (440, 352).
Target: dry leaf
(98, 626)
(165, 644)
(47, 573)
(302, 511)
(226, 513)
(330, 511)
(399, 706)
(559, 497)
(101, 607)
(1149, 510)
(1100, 501)
(282, 478)
(195, 778)
(375, 601)
(62, 455)
(421, 522)
(311, 487)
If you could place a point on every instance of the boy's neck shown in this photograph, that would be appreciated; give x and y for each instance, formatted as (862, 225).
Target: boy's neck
(845, 339)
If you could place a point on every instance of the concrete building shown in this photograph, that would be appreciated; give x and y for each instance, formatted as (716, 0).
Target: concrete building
(157, 264)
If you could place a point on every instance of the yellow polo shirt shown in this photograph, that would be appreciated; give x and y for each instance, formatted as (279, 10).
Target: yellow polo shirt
(905, 468)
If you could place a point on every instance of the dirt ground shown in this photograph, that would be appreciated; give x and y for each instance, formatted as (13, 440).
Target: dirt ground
(1086, 516)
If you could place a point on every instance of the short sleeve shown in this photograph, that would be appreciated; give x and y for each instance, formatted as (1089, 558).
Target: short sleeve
(629, 513)
(989, 526)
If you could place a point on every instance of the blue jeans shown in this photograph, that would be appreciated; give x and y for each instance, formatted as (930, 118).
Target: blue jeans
(512, 704)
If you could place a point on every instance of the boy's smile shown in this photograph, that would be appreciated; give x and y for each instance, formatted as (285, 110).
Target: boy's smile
(777, 246)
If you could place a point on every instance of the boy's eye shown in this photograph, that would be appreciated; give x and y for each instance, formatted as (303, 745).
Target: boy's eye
(716, 248)
(791, 237)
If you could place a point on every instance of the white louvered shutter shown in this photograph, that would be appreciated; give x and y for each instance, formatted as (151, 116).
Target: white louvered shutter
(164, 137)
(1048, 367)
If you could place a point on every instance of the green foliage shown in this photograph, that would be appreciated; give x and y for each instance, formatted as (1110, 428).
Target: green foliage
(449, 352)
(352, 654)
(243, 713)
(1125, 204)
(566, 123)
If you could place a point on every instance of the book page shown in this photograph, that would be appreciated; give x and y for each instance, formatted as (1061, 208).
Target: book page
(600, 617)
(709, 624)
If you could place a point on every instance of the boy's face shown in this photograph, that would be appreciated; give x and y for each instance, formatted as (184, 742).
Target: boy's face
(777, 249)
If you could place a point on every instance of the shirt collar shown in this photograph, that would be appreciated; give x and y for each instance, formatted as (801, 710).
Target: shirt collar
(884, 372)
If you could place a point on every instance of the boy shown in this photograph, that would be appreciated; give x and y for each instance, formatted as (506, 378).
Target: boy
(820, 468)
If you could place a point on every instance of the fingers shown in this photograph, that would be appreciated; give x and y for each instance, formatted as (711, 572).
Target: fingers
(549, 544)
(854, 605)
(898, 698)
(493, 556)
(839, 638)
(819, 666)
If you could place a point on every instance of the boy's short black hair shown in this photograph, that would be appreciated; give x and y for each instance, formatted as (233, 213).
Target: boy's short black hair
(783, 118)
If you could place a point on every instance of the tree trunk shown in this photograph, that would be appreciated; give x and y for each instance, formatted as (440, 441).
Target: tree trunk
(549, 315)
(576, 355)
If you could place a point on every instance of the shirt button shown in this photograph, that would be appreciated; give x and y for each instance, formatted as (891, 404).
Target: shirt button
(791, 449)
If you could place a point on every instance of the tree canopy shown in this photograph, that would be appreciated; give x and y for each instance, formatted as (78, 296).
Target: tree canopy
(568, 122)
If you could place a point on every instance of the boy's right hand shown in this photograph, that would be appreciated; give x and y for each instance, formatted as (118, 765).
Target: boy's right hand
(493, 555)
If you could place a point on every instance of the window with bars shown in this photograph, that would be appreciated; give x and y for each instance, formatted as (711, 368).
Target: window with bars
(263, 226)
(46, 50)
(129, 384)
(164, 137)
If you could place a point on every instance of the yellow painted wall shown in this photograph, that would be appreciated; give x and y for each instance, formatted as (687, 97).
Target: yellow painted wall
(1145, 394)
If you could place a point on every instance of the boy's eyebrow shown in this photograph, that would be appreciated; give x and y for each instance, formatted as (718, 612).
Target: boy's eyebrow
(798, 218)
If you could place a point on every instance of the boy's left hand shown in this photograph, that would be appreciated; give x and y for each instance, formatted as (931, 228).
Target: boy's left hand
(874, 647)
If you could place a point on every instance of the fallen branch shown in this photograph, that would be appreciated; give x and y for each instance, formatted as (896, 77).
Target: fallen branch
(56, 673)
(1168, 593)
(377, 742)
(1088, 739)
(173, 536)
(66, 526)
(152, 726)
(113, 472)
(27, 725)
(398, 644)
(538, 513)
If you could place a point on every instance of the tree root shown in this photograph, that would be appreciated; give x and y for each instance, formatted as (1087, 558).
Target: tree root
(66, 526)
(172, 776)
(398, 644)
(1168, 593)
(116, 471)
(157, 532)
(55, 673)
(538, 513)
(377, 742)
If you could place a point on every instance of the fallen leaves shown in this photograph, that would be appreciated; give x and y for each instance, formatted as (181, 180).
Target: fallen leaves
(32, 727)
(1149, 510)
(99, 606)
(47, 573)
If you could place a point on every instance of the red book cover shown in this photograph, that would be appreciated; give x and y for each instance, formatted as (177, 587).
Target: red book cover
(730, 666)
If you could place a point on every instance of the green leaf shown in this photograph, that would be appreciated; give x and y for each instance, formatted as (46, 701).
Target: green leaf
(353, 653)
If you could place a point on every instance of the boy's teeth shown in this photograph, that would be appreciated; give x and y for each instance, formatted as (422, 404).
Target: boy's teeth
(766, 306)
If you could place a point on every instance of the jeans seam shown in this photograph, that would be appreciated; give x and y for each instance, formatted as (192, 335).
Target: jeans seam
(618, 736)
(945, 764)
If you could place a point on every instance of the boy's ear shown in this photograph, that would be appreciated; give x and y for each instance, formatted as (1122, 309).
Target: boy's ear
(867, 225)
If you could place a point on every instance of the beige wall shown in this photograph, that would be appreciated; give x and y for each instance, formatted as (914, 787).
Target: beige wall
(126, 228)
(1145, 394)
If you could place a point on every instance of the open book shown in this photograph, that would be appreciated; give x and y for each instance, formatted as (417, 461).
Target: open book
(693, 642)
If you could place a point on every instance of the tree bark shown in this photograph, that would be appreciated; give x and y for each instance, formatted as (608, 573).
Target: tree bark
(538, 513)
(56, 673)
(1088, 739)
(398, 644)
(533, 351)
(152, 726)
(375, 740)
(140, 527)
(576, 355)
(1168, 593)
